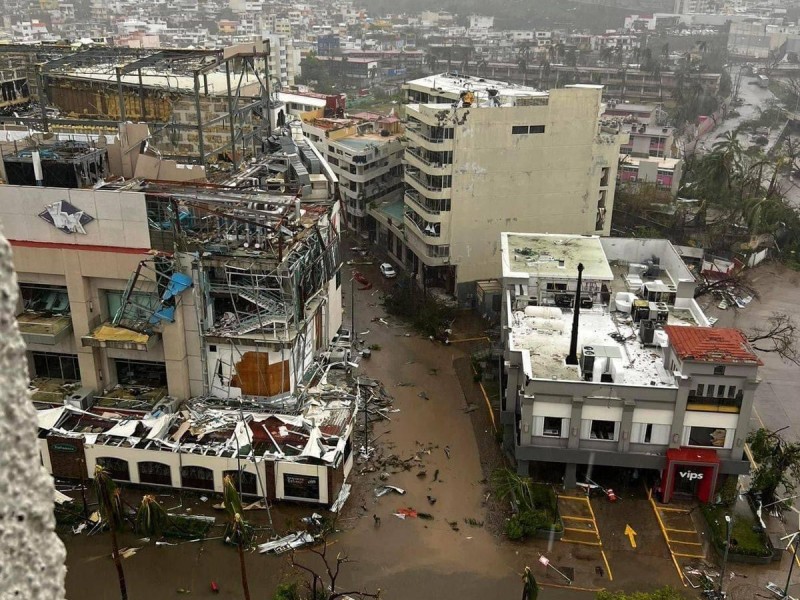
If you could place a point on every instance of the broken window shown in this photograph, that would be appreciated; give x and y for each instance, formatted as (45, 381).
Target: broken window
(707, 436)
(603, 430)
(116, 467)
(141, 373)
(249, 482)
(552, 427)
(140, 308)
(56, 366)
(197, 477)
(50, 299)
(155, 472)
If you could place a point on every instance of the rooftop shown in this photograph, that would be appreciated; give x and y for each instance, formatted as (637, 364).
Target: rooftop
(723, 345)
(485, 90)
(554, 256)
(612, 335)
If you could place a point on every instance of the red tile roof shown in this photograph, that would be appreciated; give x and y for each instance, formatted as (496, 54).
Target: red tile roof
(707, 344)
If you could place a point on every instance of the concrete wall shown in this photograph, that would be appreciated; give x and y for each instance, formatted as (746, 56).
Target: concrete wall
(32, 556)
(89, 265)
(545, 182)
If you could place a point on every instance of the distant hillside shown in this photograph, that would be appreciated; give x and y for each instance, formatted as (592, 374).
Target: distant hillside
(594, 15)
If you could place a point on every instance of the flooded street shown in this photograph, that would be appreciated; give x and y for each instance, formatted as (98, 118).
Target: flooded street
(443, 558)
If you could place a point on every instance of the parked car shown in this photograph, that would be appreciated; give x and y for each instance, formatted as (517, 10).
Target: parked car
(388, 271)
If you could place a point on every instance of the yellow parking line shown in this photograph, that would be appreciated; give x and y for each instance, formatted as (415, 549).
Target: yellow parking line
(689, 555)
(581, 542)
(575, 518)
(670, 509)
(570, 587)
(671, 541)
(579, 530)
(602, 552)
(677, 530)
(666, 538)
(581, 498)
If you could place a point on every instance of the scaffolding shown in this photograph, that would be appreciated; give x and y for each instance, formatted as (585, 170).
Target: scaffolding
(130, 74)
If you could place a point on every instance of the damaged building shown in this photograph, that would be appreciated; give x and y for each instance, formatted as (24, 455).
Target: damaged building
(613, 368)
(204, 106)
(148, 284)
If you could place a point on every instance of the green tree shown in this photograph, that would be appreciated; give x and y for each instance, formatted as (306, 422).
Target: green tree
(778, 464)
(112, 513)
(237, 530)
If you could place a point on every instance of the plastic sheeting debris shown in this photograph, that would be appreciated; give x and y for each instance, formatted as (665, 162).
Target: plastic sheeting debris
(382, 490)
(286, 543)
(344, 494)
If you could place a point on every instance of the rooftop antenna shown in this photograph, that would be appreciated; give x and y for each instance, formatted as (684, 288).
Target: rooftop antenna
(572, 357)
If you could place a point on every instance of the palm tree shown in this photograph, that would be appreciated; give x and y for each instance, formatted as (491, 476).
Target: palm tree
(508, 484)
(151, 518)
(530, 589)
(237, 530)
(111, 511)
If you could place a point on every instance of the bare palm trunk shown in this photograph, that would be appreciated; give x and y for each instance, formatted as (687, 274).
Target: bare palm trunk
(243, 569)
(123, 588)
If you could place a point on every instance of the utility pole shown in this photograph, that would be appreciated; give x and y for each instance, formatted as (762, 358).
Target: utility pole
(791, 564)
(729, 524)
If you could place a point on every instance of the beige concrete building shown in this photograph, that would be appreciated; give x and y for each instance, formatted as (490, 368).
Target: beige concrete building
(483, 157)
(365, 151)
(252, 308)
(630, 377)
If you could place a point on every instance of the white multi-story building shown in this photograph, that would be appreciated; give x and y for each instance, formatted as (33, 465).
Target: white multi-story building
(629, 376)
(365, 152)
(483, 156)
(284, 61)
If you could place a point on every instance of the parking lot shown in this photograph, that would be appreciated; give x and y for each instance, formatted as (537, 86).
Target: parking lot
(623, 539)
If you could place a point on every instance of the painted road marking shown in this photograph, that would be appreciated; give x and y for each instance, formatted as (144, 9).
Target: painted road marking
(666, 537)
(594, 530)
(631, 535)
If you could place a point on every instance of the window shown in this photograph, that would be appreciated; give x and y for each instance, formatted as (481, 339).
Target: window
(552, 427)
(603, 430)
(301, 486)
(48, 299)
(526, 129)
(707, 436)
(155, 472)
(700, 389)
(116, 467)
(731, 391)
(140, 306)
(149, 374)
(719, 370)
(197, 477)
(56, 366)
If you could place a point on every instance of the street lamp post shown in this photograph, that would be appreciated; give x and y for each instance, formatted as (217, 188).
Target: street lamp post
(729, 524)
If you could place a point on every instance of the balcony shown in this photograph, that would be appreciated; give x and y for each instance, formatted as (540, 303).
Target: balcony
(109, 336)
(423, 206)
(422, 137)
(424, 186)
(44, 328)
(714, 404)
(432, 255)
(431, 233)
(416, 158)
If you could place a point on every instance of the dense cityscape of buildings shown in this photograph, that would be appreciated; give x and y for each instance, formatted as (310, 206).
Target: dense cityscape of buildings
(177, 178)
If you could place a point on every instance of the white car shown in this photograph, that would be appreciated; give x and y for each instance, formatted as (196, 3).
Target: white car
(388, 271)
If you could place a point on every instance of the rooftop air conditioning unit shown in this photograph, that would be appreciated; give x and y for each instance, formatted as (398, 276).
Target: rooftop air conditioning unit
(587, 362)
(82, 399)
